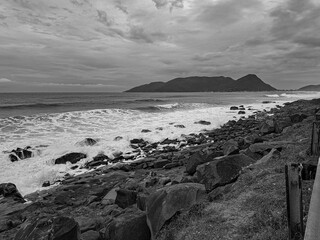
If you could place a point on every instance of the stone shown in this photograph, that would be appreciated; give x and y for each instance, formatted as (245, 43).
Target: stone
(118, 138)
(234, 108)
(230, 147)
(160, 163)
(163, 204)
(10, 190)
(296, 118)
(145, 130)
(268, 126)
(193, 161)
(70, 157)
(125, 198)
(64, 228)
(46, 184)
(30, 231)
(13, 157)
(90, 235)
(179, 126)
(222, 171)
(273, 154)
(129, 225)
(202, 122)
(242, 112)
(171, 165)
(87, 142)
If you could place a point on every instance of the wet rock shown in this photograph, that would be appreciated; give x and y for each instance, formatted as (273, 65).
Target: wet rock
(87, 142)
(46, 184)
(166, 202)
(222, 171)
(13, 157)
(125, 198)
(70, 157)
(117, 154)
(202, 122)
(145, 130)
(118, 138)
(242, 112)
(179, 126)
(159, 128)
(20, 153)
(230, 147)
(129, 225)
(65, 228)
(10, 190)
(193, 161)
(234, 108)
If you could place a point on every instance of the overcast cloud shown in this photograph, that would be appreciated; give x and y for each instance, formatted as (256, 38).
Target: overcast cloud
(98, 45)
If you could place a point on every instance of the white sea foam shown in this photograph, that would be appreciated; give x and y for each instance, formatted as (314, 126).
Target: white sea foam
(61, 131)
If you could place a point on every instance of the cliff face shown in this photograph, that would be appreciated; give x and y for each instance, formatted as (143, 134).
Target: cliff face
(206, 84)
(310, 88)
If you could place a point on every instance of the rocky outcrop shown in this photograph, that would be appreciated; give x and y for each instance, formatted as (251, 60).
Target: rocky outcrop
(20, 154)
(166, 202)
(222, 171)
(70, 157)
(10, 190)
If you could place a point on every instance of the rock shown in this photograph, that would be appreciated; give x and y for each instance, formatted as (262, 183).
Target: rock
(242, 112)
(296, 118)
(10, 190)
(166, 202)
(117, 138)
(142, 201)
(87, 142)
(266, 147)
(145, 130)
(117, 154)
(13, 157)
(90, 235)
(70, 157)
(193, 161)
(129, 225)
(89, 223)
(179, 126)
(273, 154)
(234, 108)
(30, 231)
(171, 165)
(100, 157)
(230, 147)
(160, 163)
(202, 122)
(125, 198)
(269, 126)
(222, 171)
(159, 128)
(137, 141)
(46, 184)
(217, 193)
(64, 228)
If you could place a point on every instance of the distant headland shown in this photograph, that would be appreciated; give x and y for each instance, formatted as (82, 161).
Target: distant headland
(250, 82)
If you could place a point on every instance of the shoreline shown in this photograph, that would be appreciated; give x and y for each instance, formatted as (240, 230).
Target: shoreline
(124, 193)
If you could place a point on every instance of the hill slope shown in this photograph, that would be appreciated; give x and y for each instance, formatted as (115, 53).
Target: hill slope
(310, 88)
(206, 84)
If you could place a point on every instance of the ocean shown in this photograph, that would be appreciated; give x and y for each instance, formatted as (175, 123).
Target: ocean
(53, 124)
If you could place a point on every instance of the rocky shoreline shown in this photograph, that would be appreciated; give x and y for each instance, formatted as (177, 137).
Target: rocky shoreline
(135, 199)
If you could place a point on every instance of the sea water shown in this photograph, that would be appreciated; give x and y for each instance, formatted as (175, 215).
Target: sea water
(53, 124)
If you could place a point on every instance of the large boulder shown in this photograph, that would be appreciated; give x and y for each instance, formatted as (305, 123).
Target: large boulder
(193, 161)
(70, 157)
(296, 118)
(269, 126)
(163, 204)
(230, 147)
(20, 154)
(222, 171)
(131, 224)
(125, 198)
(265, 147)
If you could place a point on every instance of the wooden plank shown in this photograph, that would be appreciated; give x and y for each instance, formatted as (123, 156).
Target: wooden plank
(313, 224)
(294, 200)
(315, 139)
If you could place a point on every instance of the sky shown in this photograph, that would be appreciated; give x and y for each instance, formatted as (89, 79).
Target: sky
(113, 45)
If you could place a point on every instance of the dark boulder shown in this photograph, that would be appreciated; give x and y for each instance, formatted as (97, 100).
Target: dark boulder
(10, 190)
(20, 153)
(163, 204)
(242, 112)
(129, 225)
(13, 157)
(179, 126)
(70, 157)
(118, 138)
(269, 126)
(160, 163)
(234, 108)
(145, 130)
(125, 198)
(87, 142)
(222, 171)
(202, 122)
(64, 228)
(193, 161)
(296, 118)
(90, 235)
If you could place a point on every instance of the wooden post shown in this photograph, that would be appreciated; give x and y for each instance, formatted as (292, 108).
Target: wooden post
(315, 139)
(294, 200)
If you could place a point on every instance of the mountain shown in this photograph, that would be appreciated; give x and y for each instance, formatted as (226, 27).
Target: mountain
(249, 82)
(310, 88)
